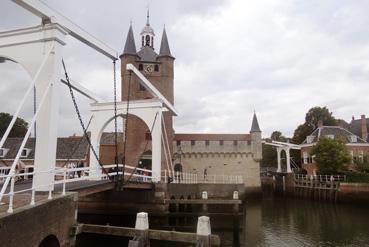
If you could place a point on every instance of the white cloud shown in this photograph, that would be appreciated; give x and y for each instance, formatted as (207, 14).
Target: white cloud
(279, 58)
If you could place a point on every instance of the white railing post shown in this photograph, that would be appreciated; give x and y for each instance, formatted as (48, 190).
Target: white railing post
(50, 187)
(64, 180)
(11, 194)
(33, 196)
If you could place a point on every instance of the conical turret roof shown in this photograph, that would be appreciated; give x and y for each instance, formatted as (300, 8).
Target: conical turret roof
(164, 46)
(130, 46)
(255, 125)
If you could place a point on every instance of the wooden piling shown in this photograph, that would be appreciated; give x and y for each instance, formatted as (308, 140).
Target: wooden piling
(203, 232)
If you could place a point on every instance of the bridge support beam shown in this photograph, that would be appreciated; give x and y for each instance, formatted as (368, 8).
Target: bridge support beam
(279, 150)
(28, 47)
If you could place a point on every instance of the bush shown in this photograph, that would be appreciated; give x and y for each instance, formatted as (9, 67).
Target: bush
(357, 177)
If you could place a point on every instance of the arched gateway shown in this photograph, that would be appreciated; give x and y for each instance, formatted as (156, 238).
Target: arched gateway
(149, 111)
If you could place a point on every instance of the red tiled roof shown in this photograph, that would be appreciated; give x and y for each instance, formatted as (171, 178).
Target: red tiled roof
(212, 137)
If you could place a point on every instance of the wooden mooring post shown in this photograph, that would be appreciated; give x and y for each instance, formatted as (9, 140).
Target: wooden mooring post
(236, 221)
(142, 234)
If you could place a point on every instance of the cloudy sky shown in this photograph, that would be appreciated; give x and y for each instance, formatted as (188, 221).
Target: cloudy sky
(279, 58)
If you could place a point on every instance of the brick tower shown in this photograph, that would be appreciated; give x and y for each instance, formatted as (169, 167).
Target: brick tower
(158, 69)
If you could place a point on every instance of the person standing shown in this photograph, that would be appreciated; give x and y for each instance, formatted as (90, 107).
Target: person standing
(80, 165)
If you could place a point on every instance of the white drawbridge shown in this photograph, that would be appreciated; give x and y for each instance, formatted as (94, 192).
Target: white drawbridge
(39, 51)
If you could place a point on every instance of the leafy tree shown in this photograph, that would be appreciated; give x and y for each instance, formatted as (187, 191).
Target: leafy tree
(316, 114)
(301, 132)
(19, 129)
(312, 117)
(330, 155)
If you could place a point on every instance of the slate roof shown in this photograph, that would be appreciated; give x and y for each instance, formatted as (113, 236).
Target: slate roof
(355, 127)
(212, 137)
(336, 131)
(164, 46)
(255, 125)
(147, 54)
(130, 46)
(75, 147)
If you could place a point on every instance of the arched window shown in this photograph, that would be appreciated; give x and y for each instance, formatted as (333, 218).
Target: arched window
(156, 68)
(152, 41)
(140, 66)
(143, 40)
(148, 40)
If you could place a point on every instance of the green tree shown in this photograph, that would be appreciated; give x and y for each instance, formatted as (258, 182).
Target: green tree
(316, 114)
(19, 129)
(330, 155)
(301, 132)
(312, 117)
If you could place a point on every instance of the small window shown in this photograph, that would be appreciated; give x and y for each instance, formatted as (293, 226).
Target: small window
(353, 138)
(235, 142)
(178, 143)
(310, 139)
(193, 143)
(305, 157)
(156, 68)
(207, 143)
(249, 143)
(25, 152)
(2, 153)
(140, 66)
(141, 88)
(221, 142)
(330, 136)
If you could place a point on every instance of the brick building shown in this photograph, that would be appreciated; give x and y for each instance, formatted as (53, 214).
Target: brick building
(231, 154)
(357, 146)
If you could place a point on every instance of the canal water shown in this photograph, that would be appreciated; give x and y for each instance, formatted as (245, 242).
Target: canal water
(281, 222)
(295, 222)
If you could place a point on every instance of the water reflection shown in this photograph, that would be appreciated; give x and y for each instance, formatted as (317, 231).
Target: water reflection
(294, 222)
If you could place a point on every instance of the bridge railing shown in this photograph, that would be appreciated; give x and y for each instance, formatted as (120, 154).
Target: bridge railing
(62, 176)
(135, 174)
(321, 178)
(194, 178)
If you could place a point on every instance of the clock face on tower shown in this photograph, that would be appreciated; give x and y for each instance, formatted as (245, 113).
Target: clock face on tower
(148, 68)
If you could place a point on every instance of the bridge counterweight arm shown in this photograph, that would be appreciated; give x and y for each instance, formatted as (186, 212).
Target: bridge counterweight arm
(43, 11)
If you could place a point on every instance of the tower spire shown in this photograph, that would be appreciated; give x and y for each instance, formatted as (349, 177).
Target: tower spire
(148, 16)
(130, 46)
(255, 125)
(164, 46)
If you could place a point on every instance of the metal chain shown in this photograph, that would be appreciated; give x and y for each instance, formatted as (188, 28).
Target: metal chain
(81, 121)
(115, 120)
(78, 144)
(126, 124)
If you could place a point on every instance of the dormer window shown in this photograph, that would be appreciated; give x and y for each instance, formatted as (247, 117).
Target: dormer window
(330, 136)
(353, 138)
(3, 152)
(310, 139)
(25, 152)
